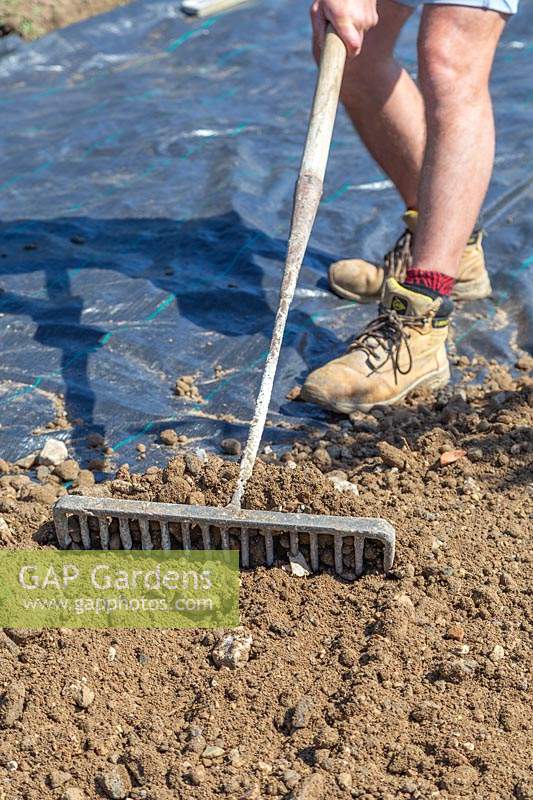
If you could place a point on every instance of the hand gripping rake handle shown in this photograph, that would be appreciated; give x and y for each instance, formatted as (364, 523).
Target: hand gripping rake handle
(308, 191)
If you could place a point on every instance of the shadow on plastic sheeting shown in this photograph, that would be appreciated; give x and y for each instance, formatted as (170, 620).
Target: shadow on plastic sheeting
(206, 266)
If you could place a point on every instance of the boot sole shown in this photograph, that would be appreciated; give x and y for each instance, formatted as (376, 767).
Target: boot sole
(433, 380)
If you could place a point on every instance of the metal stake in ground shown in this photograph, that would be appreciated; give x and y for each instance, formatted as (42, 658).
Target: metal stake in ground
(308, 192)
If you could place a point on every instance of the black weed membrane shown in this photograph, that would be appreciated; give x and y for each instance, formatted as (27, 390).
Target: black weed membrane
(148, 164)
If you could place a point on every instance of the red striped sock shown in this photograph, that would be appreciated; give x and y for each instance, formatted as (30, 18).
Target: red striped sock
(436, 281)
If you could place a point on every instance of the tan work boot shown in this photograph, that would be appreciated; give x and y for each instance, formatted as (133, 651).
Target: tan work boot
(403, 348)
(360, 280)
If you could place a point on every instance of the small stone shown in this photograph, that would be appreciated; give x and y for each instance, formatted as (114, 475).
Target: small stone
(77, 239)
(197, 775)
(455, 670)
(470, 486)
(12, 704)
(497, 653)
(464, 775)
(6, 534)
(322, 458)
(311, 788)
(235, 758)
(53, 453)
(233, 650)
(81, 694)
(475, 453)
(168, 437)
(196, 743)
(344, 779)
(28, 461)
(451, 456)
(327, 737)
(348, 657)
(302, 712)
(12, 766)
(424, 712)
(343, 485)
(141, 448)
(291, 778)
(73, 793)
(231, 446)
(194, 463)
(455, 632)
(212, 751)
(38, 493)
(68, 470)
(231, 786)
(298, 565)
(392, 456)
(115, 783)
(85, 478)
(57, 778)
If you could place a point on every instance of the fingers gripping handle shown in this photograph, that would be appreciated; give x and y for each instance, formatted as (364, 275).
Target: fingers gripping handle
(306, 199)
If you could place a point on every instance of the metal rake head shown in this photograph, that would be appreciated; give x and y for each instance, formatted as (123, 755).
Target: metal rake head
(101, 522)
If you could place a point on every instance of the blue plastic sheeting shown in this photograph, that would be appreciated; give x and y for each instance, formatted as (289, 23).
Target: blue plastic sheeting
(171, 147)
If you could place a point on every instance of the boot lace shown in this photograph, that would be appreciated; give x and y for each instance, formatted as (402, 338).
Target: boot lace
(399, 259)
(384, 338)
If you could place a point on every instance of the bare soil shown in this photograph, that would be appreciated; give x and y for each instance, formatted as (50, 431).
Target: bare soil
(32, 19)
(412, 686)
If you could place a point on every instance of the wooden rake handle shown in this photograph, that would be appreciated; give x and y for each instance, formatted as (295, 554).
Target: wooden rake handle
(324, 108)
(308, 192)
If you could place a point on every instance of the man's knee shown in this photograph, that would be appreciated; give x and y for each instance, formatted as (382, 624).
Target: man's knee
(455, 51)
(443, 71)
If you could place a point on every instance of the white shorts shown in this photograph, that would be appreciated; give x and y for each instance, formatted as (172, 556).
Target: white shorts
(502, 6)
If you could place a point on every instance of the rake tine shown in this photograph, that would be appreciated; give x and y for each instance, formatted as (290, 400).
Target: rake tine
(61, 525)
(224, 536)
(294, 543)
(315, 561)
(84, 531)
(104, 533)
(186, 535)
(206, 535)
(125, 535)
(146, 539)
(337, 540)
(359, 548)
(388, 554)
(269, 548)
(245, 548)
(165, 535)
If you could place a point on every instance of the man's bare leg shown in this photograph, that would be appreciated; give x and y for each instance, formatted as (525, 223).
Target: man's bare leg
(456, 48)
(384, 103)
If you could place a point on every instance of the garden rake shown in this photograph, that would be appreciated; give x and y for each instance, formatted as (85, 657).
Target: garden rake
(164, 525)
